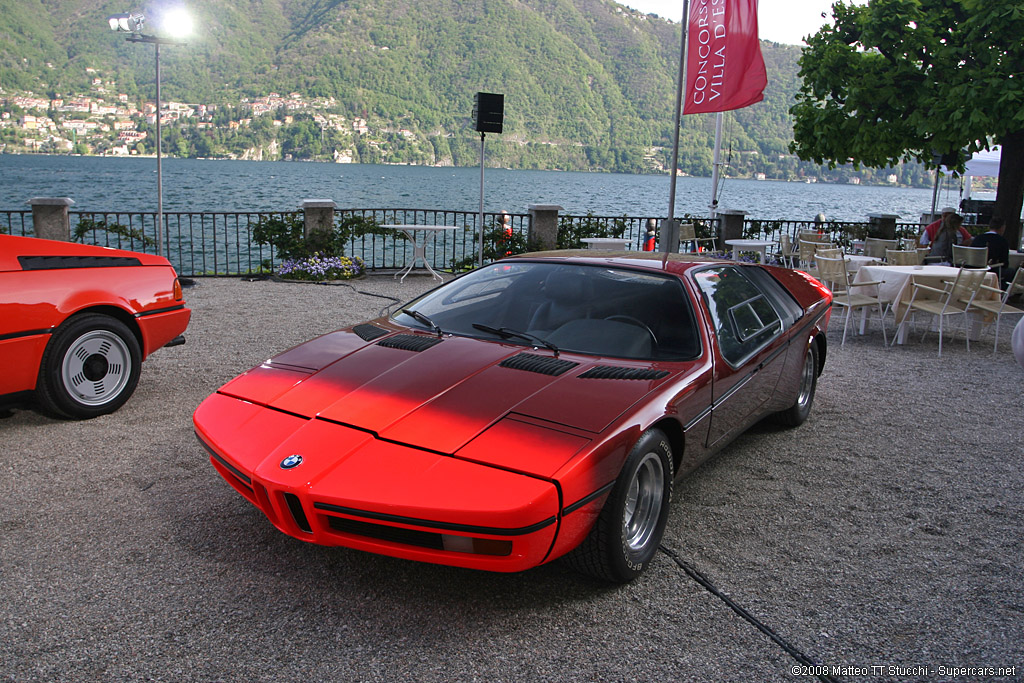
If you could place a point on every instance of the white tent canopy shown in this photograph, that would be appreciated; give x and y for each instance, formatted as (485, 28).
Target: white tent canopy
(984, 163)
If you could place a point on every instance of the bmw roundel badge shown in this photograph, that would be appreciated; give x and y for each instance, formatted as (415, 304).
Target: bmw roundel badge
(291, 461)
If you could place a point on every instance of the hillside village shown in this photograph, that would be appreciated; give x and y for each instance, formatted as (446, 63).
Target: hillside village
(107, 123)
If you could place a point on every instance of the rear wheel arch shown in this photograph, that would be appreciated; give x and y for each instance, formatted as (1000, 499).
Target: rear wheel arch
(118, 314)
(822, 343)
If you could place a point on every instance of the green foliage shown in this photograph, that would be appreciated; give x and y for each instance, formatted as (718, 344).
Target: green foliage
(572, 232)
(499, 242)
(286, 233)
(896, 80)
(87, 225)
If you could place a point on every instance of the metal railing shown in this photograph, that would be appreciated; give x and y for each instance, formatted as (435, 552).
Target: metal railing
(222, 243)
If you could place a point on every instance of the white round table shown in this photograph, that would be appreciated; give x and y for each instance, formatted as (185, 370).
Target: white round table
(760, 246)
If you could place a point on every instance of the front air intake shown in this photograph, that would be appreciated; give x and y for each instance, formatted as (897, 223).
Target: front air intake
(298, 514)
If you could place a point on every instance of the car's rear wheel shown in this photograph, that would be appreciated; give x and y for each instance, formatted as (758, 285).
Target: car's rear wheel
(801, 408)
(90, 367)
(631, 523)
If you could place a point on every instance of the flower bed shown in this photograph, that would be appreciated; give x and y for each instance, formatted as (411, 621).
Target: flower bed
(319, 267)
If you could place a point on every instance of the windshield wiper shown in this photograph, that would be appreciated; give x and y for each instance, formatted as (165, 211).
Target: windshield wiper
(416, 315)
(508, 333)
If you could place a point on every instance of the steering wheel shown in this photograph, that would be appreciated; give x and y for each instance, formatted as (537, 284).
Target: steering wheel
(639, 323)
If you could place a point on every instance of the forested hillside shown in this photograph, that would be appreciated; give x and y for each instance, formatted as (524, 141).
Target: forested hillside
(588, 83)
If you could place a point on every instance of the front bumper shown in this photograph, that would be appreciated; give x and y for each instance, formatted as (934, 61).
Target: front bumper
(354, 490)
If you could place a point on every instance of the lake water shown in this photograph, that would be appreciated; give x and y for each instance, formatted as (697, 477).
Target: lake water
(129, 184)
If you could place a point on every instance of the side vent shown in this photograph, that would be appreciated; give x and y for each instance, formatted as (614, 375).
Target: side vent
(62, 262)
(410, 342)
(612, 372)
(369, 332)
(544, 365)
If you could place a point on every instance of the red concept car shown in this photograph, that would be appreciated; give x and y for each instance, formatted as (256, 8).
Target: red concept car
(540, 406)
(76, 321)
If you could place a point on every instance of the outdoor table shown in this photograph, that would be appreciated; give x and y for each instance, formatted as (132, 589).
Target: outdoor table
(760, 246)
(419, 247)
(1016, 259)
(606, 243)
(896, 288)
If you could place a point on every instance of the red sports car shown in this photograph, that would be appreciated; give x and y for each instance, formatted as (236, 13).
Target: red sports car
(76, 321)
(537, 407)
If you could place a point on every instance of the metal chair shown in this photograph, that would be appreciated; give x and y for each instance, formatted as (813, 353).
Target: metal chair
(688, 234)
(999, 306)
(786, 251)
(875, 247)
(954, 299)
(832, 271)
(902, 258)
(970, 257)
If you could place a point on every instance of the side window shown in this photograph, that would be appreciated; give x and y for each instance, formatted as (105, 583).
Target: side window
(744, 318)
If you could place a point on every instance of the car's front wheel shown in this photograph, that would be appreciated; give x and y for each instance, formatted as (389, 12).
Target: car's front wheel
(631, 523)
(90, 367)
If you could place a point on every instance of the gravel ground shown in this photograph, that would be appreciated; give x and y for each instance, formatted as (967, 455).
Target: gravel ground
(884, 532)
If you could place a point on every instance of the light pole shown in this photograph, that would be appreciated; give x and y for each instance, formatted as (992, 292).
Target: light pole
(132, 23)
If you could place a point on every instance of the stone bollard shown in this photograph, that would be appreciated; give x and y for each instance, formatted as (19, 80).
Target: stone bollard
(730, 226)
(883, 225)
(318, 215)
(544, 225)
(50, 217)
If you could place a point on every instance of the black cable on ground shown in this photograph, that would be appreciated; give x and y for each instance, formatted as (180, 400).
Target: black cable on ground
(750, 618)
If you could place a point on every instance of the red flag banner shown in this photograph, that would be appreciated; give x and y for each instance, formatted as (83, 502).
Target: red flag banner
(724, 67)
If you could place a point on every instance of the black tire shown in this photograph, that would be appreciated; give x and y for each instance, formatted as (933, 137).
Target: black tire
(629, 528)
(90, 367)
(795, 415)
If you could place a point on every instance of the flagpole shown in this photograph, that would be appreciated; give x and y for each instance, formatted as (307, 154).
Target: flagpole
(670, 227)
(715, 166)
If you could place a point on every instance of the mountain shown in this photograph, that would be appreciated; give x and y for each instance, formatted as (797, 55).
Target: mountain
(587, 83)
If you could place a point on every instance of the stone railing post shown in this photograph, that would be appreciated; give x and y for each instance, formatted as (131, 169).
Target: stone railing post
(50, 218)
(318, 215)
(544, 225)
(884, 224)
(730, 226)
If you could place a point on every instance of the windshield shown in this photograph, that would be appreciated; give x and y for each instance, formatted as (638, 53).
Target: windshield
(590, 309)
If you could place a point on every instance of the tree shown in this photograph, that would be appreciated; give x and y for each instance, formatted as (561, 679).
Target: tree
(908, 79)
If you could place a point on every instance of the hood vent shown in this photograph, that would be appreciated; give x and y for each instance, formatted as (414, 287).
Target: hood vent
(410, 342)
(612, 372)
(543, 365)
(369, 332)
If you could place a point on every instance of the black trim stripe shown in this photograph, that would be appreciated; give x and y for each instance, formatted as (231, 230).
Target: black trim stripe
(216, 456)
(692, 423)
(26, 333)
(160, 310)
(429, 524)
(587, 499)
(62, 262)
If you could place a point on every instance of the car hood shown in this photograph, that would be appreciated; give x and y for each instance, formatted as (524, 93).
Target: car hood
(440, 393)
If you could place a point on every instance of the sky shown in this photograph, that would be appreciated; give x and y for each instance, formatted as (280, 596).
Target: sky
(781, 21)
